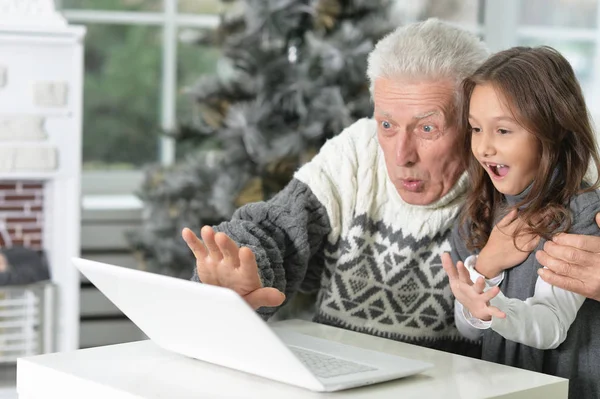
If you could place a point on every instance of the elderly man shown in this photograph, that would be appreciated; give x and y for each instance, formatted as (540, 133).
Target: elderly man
(364, 223)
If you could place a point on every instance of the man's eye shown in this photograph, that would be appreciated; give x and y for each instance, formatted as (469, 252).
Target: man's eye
(427, 129)
(386, 125)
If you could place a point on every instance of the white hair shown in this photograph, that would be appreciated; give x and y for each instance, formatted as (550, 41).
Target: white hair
(426, 51)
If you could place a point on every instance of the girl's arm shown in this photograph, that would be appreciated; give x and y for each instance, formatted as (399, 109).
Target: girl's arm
(464, 326)
(458, 253)
(541, 321)
(500, 252)
(469, 326)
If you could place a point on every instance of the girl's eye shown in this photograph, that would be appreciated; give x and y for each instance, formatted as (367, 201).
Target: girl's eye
(386, 125)
(475, 130)
(503, 131)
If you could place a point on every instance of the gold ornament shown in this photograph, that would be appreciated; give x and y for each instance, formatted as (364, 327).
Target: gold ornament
(213, 112)
(252, 192)
(327, 13)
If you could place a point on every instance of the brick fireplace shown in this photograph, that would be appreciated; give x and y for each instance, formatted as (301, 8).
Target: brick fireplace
(22, 213)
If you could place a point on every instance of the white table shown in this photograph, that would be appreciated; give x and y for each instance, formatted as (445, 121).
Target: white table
(144, 370)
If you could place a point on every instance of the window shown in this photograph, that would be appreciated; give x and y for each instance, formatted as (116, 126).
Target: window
(570, 26)
(573, 14)
(202, 6)
(463, 12)
(466, 13)
(137, 63)
(121, 96)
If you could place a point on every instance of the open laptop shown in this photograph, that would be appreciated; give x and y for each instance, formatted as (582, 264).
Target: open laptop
(216, 325)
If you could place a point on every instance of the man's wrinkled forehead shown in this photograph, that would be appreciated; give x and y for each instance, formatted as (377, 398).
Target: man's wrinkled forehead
(433, 113)
(408, 99)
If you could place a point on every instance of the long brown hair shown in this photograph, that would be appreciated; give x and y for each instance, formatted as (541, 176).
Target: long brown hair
(542, 92)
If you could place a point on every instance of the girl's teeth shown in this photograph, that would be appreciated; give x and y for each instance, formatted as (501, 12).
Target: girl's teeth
(498, 169)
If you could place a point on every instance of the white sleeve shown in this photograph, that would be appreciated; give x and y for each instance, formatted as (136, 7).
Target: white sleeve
(470, 263)
(463, 324)
(541, 321)
(469, 326)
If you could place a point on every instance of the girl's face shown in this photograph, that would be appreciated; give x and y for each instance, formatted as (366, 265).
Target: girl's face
(509, 153)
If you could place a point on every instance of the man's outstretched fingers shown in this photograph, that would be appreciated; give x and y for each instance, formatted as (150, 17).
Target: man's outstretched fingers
(578, 241)
(551, 262)
(208, 236)
(194, 243)
(229, 249)
(265, 297)
(248, 262)
(564, 282)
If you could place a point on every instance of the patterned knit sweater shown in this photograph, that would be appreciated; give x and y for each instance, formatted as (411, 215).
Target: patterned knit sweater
(340, 230)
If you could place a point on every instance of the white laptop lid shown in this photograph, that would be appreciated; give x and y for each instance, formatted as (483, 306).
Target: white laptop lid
(205, 322)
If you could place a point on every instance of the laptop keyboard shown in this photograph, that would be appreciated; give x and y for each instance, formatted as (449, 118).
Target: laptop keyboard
(326, 366)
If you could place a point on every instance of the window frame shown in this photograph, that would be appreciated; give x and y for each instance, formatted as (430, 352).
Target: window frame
(585, 35)
(170, 20)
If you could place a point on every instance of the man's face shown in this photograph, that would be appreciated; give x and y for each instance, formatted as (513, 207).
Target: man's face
(419, 143)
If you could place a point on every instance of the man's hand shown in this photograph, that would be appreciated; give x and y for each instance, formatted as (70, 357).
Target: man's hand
(219, 261)
(500, 252)
(573, 263)
(470, 295)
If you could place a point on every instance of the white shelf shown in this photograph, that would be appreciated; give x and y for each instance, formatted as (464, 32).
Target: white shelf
(44, 112)
(43, 34)
(28, 176)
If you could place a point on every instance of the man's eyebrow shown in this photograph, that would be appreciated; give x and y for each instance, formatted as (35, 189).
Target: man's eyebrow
(416, 117)
(426, 114)
(383, 113)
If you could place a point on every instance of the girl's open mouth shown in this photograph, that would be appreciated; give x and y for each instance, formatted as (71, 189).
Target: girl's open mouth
(497, 170)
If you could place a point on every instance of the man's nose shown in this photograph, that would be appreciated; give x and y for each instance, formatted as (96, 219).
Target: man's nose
(485, 145)
(406, 149)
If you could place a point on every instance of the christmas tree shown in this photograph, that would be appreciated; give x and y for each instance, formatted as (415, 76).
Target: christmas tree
(292, 75)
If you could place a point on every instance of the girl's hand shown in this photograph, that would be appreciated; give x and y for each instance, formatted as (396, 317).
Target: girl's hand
(470, 295)
(500, 252)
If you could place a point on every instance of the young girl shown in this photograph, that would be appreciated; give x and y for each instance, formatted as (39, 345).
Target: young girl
(531, 143)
